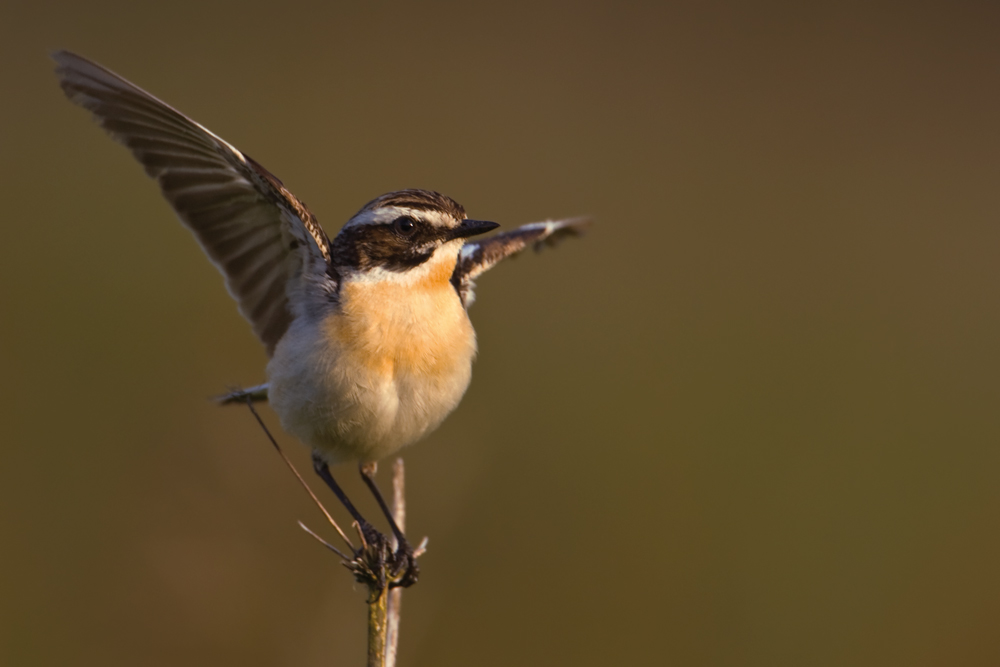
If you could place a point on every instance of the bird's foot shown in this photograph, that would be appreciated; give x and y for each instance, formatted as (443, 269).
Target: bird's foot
(369, 565)
(377, 565)
(404, 567)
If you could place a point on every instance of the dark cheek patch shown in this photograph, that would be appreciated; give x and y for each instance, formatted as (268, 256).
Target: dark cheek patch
(368, 247)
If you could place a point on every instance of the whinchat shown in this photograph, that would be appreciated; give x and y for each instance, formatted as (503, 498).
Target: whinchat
(369, 339)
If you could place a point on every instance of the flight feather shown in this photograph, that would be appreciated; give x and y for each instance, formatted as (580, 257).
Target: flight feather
(478, 257)
(259, 235)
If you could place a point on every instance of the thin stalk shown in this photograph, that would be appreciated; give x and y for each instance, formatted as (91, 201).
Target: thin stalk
(396, 594)
(378, 603)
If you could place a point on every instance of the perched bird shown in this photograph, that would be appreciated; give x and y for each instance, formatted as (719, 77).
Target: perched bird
(369, 339)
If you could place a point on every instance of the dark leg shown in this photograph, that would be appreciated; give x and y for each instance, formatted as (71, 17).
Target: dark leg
(323, 470)
(406, 561)
(368, 475)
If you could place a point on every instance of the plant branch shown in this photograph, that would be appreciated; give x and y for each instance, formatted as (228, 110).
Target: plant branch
(295, 472)
(377, 630)
(396, 594)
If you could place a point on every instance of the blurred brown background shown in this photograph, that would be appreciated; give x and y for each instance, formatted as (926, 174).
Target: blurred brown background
(750, 420)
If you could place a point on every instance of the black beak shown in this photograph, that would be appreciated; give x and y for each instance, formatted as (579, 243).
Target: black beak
(471, 228)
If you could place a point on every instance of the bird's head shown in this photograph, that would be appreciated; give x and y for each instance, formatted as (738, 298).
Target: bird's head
(402, 232)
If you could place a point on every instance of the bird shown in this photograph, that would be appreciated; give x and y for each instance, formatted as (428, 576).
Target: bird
(368, 336)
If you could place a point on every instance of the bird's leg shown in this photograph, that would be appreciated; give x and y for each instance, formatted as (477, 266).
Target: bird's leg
(405, 560)
(375, 560)
(368, 471)
(368, 531)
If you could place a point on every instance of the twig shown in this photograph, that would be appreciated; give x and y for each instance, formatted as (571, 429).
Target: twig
(396, 594)
(325, 543)
(377, 607)
(298, 476)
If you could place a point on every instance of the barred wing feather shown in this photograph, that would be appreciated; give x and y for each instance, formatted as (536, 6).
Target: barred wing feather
(478, 257)
(257, 233)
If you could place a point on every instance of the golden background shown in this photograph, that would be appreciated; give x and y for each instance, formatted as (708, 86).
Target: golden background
(751, 419)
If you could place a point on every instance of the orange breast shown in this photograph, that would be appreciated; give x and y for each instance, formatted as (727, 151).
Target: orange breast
(404, 327)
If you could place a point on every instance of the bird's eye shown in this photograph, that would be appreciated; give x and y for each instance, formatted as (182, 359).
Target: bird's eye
(404, 226)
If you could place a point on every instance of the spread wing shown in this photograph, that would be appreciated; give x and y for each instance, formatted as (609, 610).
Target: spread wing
(479, 256)
(255, 231)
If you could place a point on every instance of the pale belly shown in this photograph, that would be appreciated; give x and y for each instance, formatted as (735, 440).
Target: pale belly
(377, 375)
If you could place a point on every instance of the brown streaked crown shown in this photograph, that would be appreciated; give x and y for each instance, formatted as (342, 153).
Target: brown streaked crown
(418, 200)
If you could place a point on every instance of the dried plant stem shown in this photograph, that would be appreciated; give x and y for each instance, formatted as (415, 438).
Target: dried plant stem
(377, 625)
(383, 603)
(295, 472)
(396, 594)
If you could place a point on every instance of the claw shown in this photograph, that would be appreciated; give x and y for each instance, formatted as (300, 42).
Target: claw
(405, 570)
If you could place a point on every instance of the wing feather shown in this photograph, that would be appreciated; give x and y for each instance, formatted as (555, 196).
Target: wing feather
(259, 235)
(477, 257)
